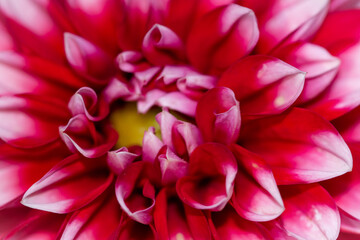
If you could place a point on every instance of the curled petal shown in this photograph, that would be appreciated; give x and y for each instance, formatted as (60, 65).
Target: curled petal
(116, 88)
(87, 58)
(150, 99)
(178, 102)
(218, 116)
(28, 121)
(229, 225)
(85, 101)
(186, 137)
(320, 66)
(80, 135)
(300, 147)
(194, 85)
(310, 213)
(162, 46)
(263, 84)
(172, 167)
(69, 185)
(210, 187)
(120, 159)
(151, 145)
(98, 220)
(135, 194)
(221, 37)
(132, 61)
(166, 122)
(173, 219)
(256, 196)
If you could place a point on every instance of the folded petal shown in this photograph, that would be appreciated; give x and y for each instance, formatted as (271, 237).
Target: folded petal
(174, 220)
(29, 121)
(135, 193)
(69, 185)
(310, 213)
(299, 146)
(162, 46)
(221, 37)
(151, 145)
(283, 21)
(218, 116)
(172, 167)
(256, 196)
(186, 137)
(80, 135)
(210, 187)
(269, 88)
(120, 159)
(320, 66)
(229, 225)
(85, 101)
(98, 220)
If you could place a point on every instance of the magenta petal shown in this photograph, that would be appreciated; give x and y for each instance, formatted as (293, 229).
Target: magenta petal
(130, 229)
(98, 220)
(229, 225)
(28, 121)
(120, 159)
(173, 219)
(135, 194)
(172, 167)
(151, 145)
(349, 224)
(86, 58)
(299, 146)
(6, 40)
(166, 122)
(349, 127)
(256, 196)
(80, 135)
(178, 102)
(310, 213)
(221, 37)
(85, 101)
(162, 46)
(186, 137)
(69, 185)
(319, 65)
(210, 187)
(218, 116)
(269, 88)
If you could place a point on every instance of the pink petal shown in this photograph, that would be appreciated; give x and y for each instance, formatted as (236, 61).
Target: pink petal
(161, 46)
(343, 42)
(340, 5)
(19, 222)
(6, 40)
(85, 101)
(92, 18)
(310, 213)
(286, 21)
(130, 229)
(86, 58)
(178, 102)
(45, 37)
(28, 121)
(120, 159)
(173, 219)
(166, 122)
(135, 194)
(116, 89)
(221, 37)
(229, 225)
(349, 224)
(186, 137)
(80, 135)
(218, 116)
(150, 99)
(172, 167)
(210, 187)
(132, 61)
(98, 220)
(69, 185)
(269, 88)
(256, 196)
(151, 145)
(194, 84)
(319, 65)
(300, 146)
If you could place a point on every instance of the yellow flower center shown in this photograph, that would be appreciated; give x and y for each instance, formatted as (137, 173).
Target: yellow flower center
(131, 125)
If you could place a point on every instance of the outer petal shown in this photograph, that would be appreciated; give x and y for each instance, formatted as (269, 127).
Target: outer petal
(98, 220)
(319, 65)
(299, 146)
(218, 116)
(229, 225)
(349, 127)
(130, 229)
(172, 167)
(210, 187)
(174, 220)
(310, 213)
(342, 42)
(29, 121)
(80, 135)
(221, 37)
(263, 84)
(69, 185)
(135, 193)
(284, 21)
(256, 196)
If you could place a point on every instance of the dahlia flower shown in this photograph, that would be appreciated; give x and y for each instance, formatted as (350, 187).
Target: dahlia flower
(179, 119)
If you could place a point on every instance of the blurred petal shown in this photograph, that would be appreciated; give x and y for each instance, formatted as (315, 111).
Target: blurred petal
(130, 229)
(299, 146)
